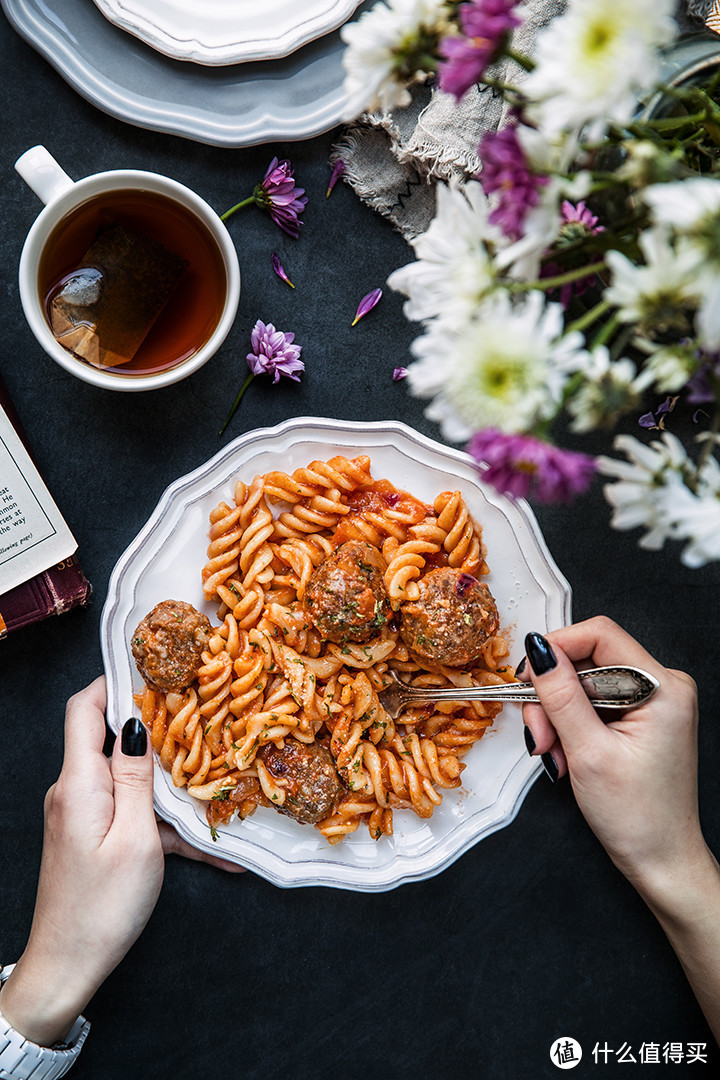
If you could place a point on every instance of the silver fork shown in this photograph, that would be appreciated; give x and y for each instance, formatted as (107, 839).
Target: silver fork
(606, 687)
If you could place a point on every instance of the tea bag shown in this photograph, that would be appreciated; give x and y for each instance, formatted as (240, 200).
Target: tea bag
(104, 308)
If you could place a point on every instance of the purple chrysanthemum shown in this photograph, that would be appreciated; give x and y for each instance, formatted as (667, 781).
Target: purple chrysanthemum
(277, 193)
(273, 353)
(525, 467)
(485, 26)
(506, 173)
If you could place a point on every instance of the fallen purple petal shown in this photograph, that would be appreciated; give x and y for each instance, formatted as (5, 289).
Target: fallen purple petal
(367, 303)
(337, 171)
(279, 269)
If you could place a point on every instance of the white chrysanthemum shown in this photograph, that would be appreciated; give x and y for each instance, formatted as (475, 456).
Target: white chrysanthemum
(377, 44)
(504, 369)
(698, 522)
(669, 368)
(648, 486)
(684, 204)
(593, 59)
(655, 295)
(454, 271)
(609, 391)
(692, 208)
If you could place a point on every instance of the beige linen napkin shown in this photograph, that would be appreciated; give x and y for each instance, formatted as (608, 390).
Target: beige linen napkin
(394, 160)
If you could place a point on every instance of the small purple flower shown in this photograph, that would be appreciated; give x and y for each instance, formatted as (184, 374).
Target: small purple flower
(274, 353)
(485, 25)
(506, 173)
(277, 193)
(367, 304)
(400, 373)
(577, 223)
(279, 269)
(525, 467)
(338, 170)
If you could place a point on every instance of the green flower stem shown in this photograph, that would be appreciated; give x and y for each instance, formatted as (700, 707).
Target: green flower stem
(605, 332)
(237, 401)
(544, 284)
(503, 88)
(237, 206)
(520, 58)
(590, 316)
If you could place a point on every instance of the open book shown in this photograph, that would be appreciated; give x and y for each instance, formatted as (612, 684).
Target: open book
(39, 571)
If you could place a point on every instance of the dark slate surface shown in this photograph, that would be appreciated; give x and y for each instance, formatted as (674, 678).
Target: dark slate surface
(529, 936)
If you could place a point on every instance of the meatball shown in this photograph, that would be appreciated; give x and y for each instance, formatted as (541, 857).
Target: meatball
(345, 599)
(308, 774)
(168, 645)
(452, 618)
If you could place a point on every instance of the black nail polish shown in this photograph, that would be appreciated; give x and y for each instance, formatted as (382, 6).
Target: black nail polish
(539, 653)
(521, 668)
(529, 739)
(133, 741)
(550, 766)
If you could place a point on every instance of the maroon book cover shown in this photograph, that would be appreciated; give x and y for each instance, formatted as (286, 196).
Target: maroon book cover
(52, 592)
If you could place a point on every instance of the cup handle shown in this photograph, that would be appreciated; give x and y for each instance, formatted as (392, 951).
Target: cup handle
(41, 172)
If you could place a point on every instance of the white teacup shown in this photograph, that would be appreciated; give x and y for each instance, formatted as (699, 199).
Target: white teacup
(65, 199)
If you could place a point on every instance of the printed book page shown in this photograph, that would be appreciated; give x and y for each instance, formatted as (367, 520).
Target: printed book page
(33, 533)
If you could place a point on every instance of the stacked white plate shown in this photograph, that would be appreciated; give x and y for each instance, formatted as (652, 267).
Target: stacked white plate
(226, 72)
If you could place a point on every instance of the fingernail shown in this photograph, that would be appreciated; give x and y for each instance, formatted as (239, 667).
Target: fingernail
(539, 653)
(550, 766)
(133, 741)
(520, 668)
(529, 740)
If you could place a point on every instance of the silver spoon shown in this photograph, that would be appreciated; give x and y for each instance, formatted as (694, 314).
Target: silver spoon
(606, 687)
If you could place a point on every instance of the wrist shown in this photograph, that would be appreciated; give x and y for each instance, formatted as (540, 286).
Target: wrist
(681, 891)
(40, 1002)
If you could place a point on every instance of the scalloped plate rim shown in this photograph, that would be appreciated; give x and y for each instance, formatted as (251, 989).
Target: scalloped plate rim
(219, 106)
(137, 17)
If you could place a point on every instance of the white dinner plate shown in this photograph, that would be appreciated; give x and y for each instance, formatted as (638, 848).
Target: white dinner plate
(220, 32)
(296, 97)
(165, 561)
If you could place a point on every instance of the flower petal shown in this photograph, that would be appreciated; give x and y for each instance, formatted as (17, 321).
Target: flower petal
(367, 303)
(337, 171)
(279, 269)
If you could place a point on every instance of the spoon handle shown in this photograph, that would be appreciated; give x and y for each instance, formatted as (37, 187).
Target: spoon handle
(608, 687)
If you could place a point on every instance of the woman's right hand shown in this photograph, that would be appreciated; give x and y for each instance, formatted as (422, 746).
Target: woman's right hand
(635, 779)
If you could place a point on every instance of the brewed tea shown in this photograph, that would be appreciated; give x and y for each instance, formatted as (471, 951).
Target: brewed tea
(190, 309)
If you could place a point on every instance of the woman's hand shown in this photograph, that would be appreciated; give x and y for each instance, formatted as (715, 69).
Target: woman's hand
(101, 873)
(634, 779)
